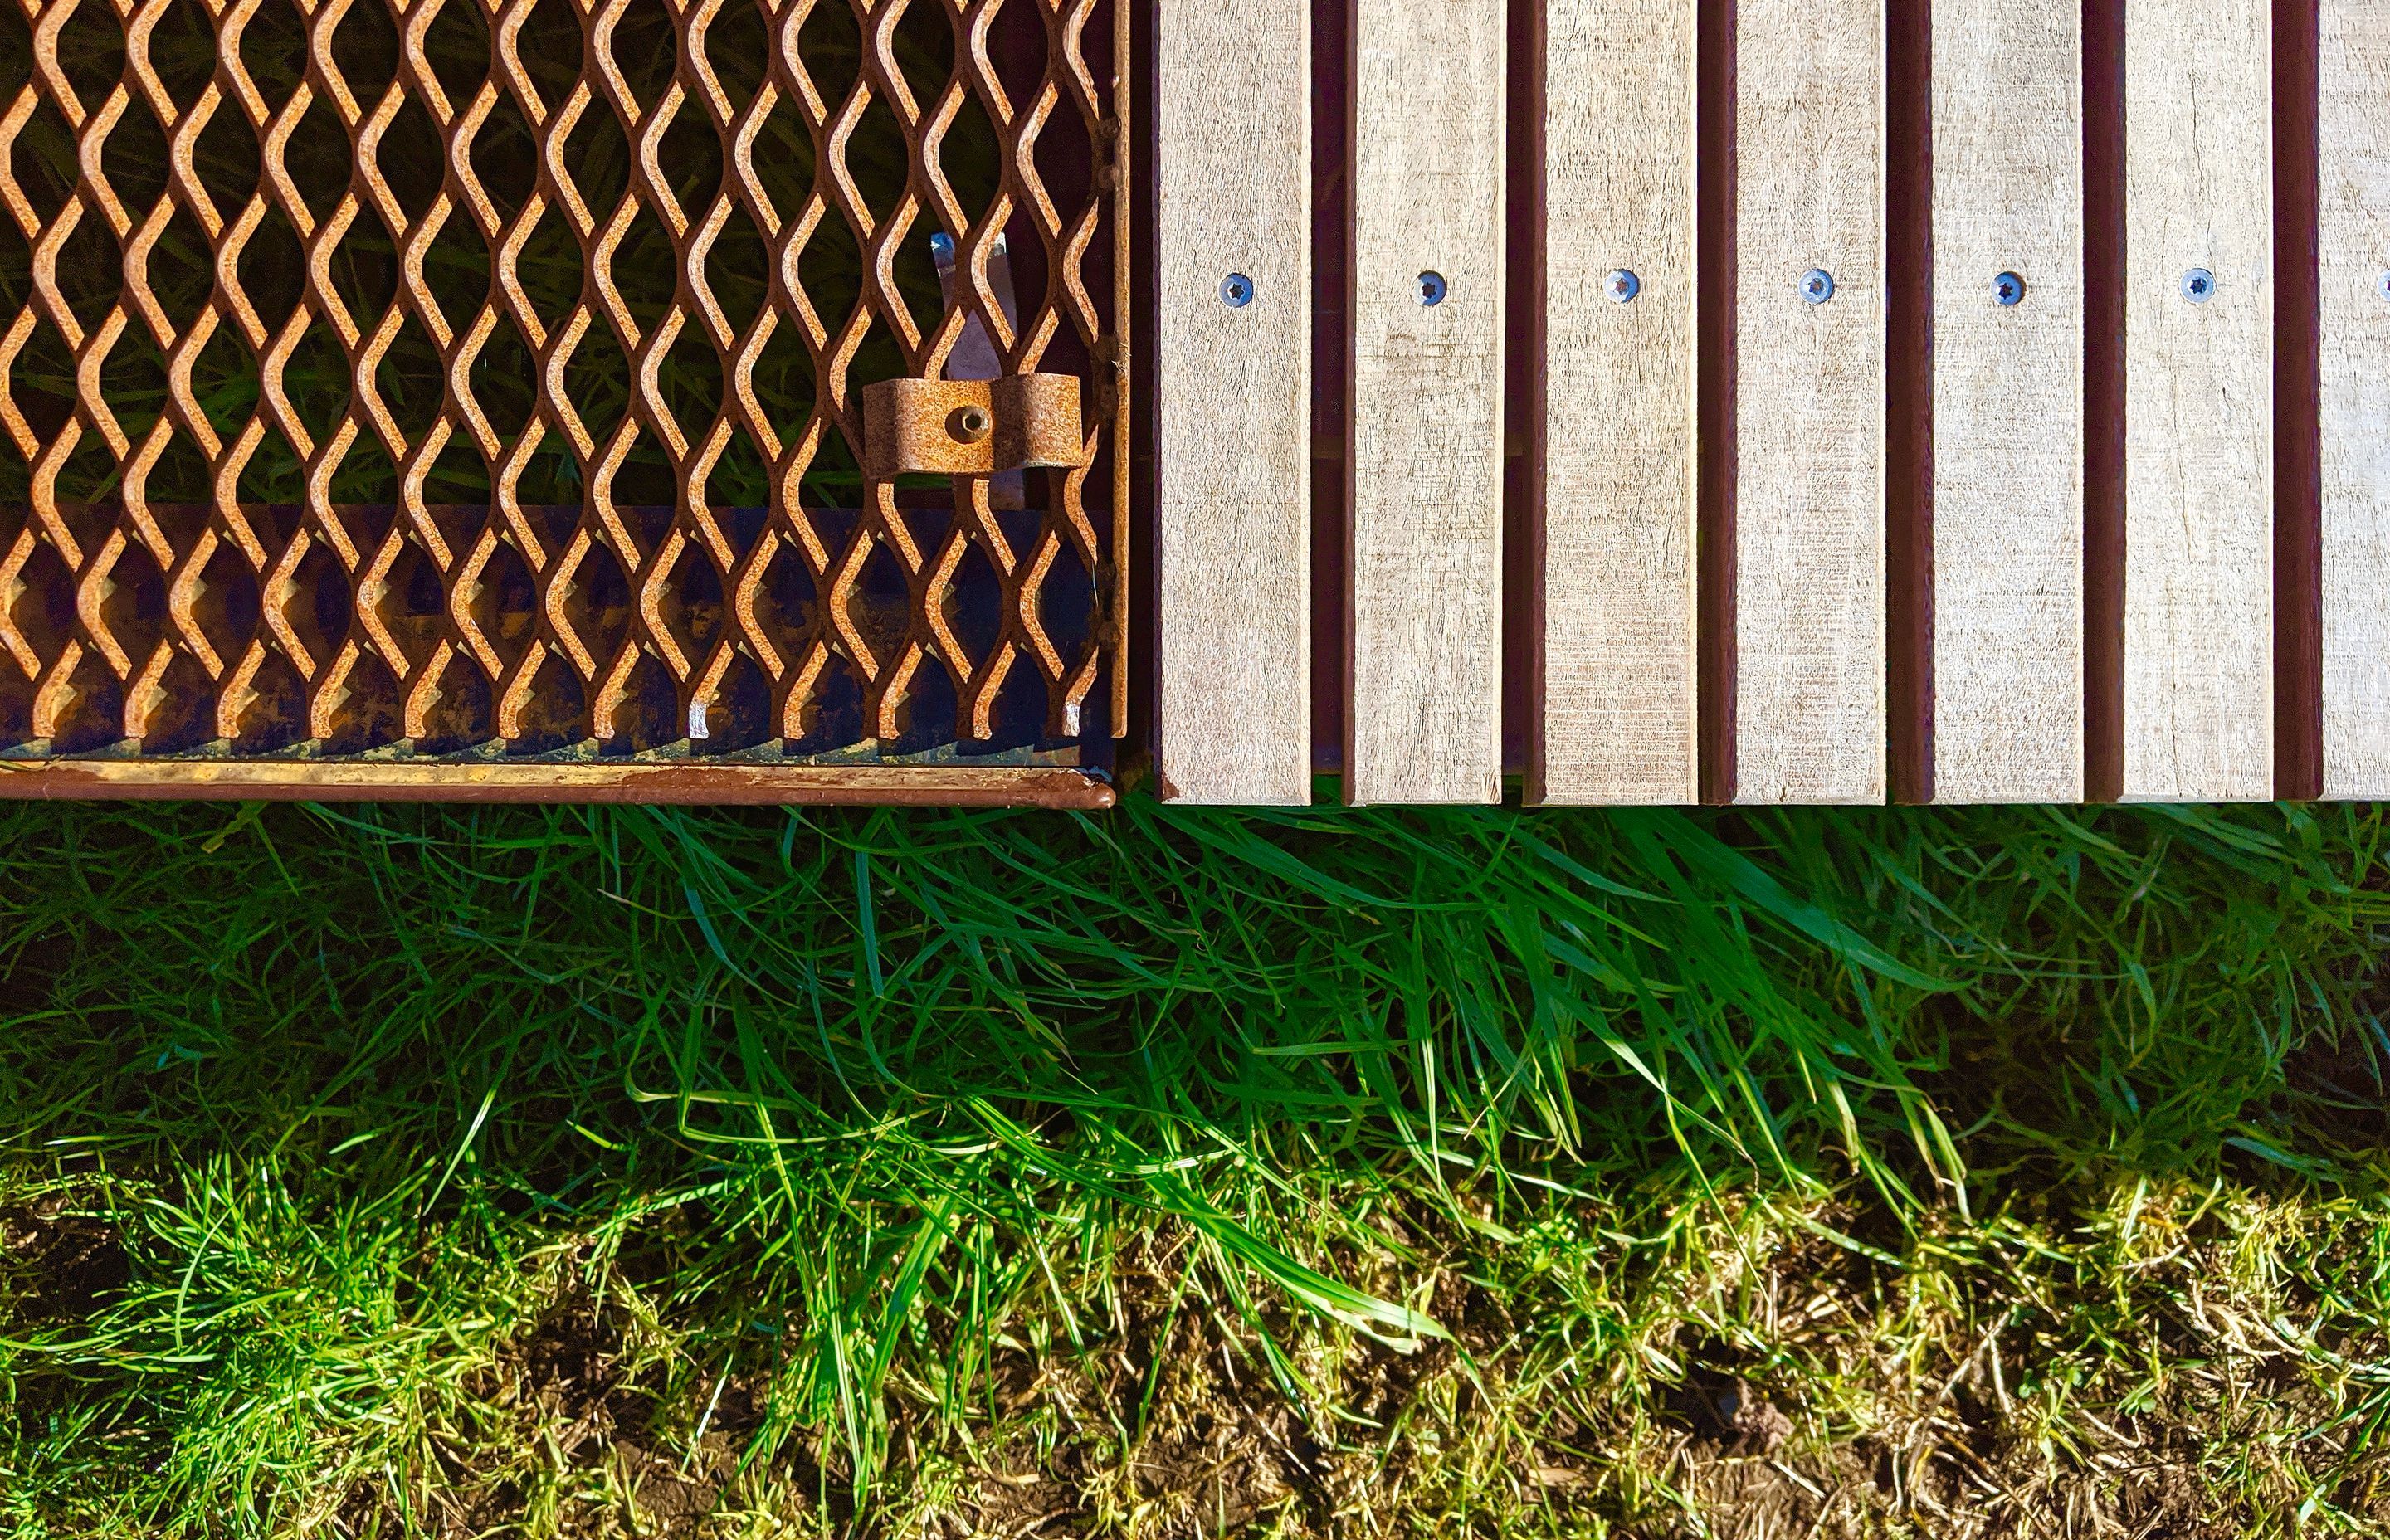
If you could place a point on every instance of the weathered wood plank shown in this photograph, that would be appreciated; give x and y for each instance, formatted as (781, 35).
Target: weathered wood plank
(1425, 440)
(2007, 401)
(2353, 132)
(1233, 402)
(1809, 518)
(2199, 382)
(1615, 613)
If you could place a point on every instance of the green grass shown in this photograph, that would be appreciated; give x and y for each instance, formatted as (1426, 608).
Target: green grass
(592, 1172)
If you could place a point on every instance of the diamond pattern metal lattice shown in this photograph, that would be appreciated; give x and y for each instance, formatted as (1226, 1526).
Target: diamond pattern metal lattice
(439, 377)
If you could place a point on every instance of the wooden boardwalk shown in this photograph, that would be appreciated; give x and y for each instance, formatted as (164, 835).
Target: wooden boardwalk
(1996, 410)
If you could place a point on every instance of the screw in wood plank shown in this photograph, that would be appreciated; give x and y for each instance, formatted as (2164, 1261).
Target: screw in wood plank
(1817, 285)
(2008, 289)
(1432, 288)
(1235, 292)
(2381, 286)
(1622, 286)
(2198, 286)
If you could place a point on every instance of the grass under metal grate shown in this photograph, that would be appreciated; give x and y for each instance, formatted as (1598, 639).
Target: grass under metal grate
(364, 268)
(449, 379)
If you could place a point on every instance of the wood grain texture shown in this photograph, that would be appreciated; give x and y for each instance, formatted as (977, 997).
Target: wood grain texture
(1233, 406)
(2199, 382)
(1424, 724)
(2008, 402)
(1809, 511)
(2353, 240)
(1617, 617)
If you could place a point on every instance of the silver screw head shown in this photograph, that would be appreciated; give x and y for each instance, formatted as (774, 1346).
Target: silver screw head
(1622, 286)
(1432, 288)
(1235, 292)
(2198, 286)
(1817, 285)
(2008, 289)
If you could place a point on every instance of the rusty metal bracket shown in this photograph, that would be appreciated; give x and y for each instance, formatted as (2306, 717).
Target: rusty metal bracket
(972, 427)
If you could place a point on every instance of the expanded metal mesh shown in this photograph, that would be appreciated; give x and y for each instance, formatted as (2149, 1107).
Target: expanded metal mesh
(444, 376)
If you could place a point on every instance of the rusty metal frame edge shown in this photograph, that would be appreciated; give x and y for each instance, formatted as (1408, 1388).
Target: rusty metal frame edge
(678, 785)
(1126, 192)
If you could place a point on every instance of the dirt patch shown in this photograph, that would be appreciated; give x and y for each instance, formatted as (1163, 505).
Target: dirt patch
(1941, 1444)
(1183, 1432)
(1924, 1480)
(1834, 1412)
(2337, 1090)
(569, 1422)
(56, 1263)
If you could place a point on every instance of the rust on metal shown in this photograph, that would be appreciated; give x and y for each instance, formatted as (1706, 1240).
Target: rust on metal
(973, 426)
(442, 381)
(645, 782)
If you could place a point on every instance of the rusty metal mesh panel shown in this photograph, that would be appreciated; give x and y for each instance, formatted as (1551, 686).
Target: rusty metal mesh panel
(456, 376)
